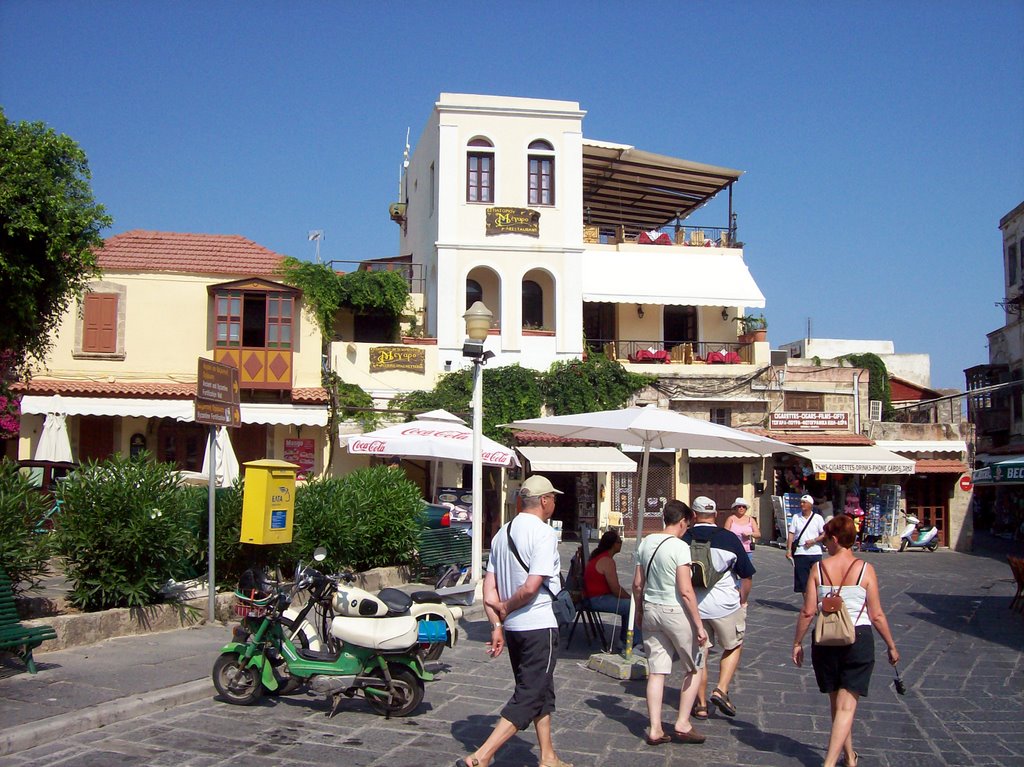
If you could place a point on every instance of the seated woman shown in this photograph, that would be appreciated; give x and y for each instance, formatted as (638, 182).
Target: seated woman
(601, 584)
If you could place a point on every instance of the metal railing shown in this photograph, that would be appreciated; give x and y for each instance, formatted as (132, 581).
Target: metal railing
(627, 349)
(693, 236)
(413, 273)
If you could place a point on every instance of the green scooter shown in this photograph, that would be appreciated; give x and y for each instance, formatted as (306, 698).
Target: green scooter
(378, 657)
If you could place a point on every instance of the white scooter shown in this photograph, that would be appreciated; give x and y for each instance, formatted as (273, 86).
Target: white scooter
(918, 536)
(348, 600)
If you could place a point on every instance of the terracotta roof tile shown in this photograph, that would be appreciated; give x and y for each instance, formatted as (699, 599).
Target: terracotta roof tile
(144, 389)
(145, 251)
(939, 466)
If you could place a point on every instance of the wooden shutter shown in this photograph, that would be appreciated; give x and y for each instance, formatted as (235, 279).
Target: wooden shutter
(100, 323)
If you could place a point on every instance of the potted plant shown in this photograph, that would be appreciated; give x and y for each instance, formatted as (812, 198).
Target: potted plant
(753, 328)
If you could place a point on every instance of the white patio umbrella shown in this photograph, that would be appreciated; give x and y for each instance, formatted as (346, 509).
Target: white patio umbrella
(54, 444)
(226, 470)
(437, 435)
(652, 427)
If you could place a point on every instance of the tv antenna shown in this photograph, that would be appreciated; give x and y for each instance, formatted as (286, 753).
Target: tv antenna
(315, 235)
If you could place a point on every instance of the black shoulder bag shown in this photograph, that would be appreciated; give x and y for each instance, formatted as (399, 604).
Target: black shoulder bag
(792, 550)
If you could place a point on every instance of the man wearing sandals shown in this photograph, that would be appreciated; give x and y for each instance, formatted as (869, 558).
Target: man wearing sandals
(723, 607)
(517, 601)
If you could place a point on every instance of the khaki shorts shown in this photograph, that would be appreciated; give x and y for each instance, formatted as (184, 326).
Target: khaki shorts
(727, 633)
(668, 634)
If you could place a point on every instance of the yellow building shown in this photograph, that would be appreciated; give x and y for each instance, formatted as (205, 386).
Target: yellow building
(124, 363)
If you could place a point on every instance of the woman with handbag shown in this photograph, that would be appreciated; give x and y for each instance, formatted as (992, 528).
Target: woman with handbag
(744, 526)
(664, 595)
(843, 670)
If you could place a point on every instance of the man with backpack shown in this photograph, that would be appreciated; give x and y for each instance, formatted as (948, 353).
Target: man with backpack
(722, 573)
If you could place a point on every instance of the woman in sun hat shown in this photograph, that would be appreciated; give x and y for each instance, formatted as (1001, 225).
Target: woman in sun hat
(743, 525)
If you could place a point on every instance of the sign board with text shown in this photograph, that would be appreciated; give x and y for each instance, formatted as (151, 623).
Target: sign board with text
(397, 358)
(217, 394)
(809, 420)
(513, 221)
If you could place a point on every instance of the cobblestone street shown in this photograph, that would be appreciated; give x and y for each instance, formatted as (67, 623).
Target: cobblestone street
(962, 663)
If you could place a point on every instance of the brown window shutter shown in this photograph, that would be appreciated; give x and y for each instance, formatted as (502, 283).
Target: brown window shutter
(100, 323)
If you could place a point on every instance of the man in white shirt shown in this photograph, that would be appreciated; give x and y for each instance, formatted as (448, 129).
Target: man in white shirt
(521, 581)
(803, 542)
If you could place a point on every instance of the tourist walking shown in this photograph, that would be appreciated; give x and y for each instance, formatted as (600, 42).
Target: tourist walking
(517, 601)
(744, 526)
(671, 622)
(722, 603)
(803, 542)
(844, 671)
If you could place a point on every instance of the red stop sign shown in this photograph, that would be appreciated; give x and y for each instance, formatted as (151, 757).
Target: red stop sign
(965, 483)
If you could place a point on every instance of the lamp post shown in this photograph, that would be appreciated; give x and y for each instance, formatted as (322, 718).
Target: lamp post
(478, 324)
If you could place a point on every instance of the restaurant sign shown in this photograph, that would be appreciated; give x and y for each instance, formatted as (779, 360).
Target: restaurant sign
(513, 221)
(809, 421)
(397, 358)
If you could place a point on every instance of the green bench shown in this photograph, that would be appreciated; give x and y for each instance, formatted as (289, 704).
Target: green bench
(13, 635)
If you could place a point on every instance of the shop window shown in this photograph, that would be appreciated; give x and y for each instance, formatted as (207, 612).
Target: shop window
(541, 173)
(533, 305)
(480, 172)
(801, 402)
(722, 416)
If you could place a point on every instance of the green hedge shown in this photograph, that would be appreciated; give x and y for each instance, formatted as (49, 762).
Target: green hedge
(23, 552)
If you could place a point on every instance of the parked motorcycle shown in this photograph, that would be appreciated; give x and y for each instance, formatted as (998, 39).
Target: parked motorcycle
(379, 657)
(918, 536)
(310, 624)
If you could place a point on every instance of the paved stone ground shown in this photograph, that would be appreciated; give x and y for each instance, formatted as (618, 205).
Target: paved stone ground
(963, 662)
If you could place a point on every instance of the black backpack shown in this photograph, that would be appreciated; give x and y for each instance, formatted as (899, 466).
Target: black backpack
(702, 570)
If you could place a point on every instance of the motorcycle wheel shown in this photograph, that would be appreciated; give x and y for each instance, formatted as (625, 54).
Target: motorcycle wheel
(408, 692)
(237, 684)
(933, 545)
(432, 650)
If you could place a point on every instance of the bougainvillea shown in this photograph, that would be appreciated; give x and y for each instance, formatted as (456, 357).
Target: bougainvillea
(10, 405)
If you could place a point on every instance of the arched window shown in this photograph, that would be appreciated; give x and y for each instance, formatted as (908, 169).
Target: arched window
(533, 305)
(480, 171)
(474, 292)
(541, 173)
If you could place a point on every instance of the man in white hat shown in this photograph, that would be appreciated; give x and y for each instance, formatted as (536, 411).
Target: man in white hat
(803, 542)
(523, 575)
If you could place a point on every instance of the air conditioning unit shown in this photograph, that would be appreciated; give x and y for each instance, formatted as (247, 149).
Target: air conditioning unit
(779, 357)
(875, 410)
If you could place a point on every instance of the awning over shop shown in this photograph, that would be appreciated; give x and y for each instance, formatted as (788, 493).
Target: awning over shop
(923, 446)
(698, 454)
(852, 459)
(577, 459)
(685, 279)
(1009, 471)
(178, 409)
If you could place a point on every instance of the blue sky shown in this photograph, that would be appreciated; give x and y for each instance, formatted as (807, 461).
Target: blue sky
(882, 142)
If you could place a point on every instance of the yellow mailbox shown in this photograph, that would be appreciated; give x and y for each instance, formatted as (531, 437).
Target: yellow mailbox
(268, 503)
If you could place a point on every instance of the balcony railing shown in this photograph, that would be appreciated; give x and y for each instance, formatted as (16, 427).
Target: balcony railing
(690, 236)
(412, 273)
(699, 351)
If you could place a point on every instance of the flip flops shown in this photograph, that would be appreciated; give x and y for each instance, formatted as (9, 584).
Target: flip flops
(467, 762)
(721, 699)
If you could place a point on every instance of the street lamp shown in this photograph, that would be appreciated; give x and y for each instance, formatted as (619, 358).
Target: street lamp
(478, 324)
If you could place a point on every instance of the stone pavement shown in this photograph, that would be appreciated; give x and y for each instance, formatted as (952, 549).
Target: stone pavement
(963, 662)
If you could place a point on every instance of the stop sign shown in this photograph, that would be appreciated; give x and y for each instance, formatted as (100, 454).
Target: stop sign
(965, 483)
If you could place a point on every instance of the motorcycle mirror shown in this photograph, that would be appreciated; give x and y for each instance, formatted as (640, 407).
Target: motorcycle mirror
(320, 554)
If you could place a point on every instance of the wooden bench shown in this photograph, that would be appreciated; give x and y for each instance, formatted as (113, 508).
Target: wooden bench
(13, 635)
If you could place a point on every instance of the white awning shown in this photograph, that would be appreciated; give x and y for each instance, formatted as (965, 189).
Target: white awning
(691, 279)
(724, 454)
(178, 409)
(577, 459)
(857, 459)
(923, 445)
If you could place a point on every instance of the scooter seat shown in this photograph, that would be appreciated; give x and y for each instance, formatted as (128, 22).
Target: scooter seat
(398, 602)
(424, 597)
(377, 633)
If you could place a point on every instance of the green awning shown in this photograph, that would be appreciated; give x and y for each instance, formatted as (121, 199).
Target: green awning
(1009, 471)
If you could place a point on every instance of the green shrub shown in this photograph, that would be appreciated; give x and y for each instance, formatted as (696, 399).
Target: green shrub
(369, 518)
(124, 530)
(23, 552)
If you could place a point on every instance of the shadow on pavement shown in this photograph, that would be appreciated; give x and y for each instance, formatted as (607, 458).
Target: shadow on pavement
(777, 605)
(981, 617)
(774, 743)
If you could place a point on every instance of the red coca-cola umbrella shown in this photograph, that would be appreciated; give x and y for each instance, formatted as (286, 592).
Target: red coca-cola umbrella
(437, 435)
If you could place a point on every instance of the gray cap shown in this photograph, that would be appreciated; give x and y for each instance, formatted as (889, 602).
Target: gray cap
(703, 505)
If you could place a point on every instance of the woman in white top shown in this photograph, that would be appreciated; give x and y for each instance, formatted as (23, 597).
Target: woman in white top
(671, 622)
(844, 672)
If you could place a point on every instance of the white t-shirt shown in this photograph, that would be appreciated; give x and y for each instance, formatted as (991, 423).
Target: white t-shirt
(669, 552)
(537, 544)
(814, 528)
(723, 598)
